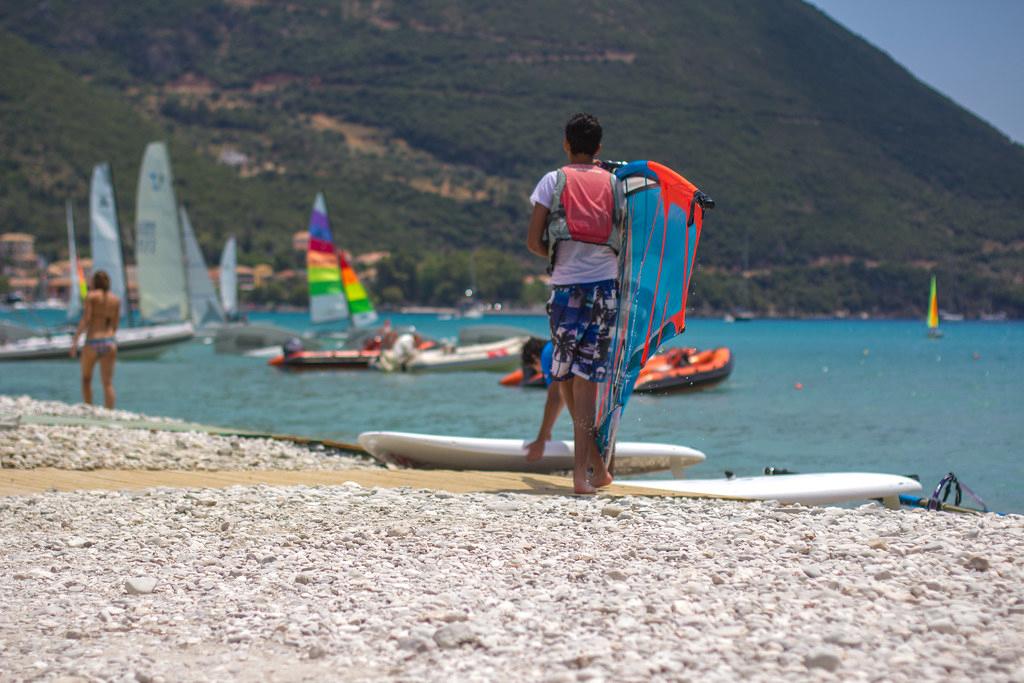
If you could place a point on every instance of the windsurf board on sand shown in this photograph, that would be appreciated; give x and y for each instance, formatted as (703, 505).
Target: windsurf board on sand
(431, 451)
(822, 488)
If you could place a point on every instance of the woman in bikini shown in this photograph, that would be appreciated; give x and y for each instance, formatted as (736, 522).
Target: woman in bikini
(100, 316)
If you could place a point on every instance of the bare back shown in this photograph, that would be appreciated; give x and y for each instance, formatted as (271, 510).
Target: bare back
(102, 311)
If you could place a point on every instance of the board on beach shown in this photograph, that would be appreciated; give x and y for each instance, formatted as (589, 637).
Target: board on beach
(404, 449)
(820, 488)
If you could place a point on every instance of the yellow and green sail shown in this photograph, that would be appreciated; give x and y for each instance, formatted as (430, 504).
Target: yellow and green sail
(933, 308)
(359, 306)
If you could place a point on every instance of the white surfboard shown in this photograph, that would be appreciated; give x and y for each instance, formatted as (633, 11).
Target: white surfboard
(821, 488)
(404, 449)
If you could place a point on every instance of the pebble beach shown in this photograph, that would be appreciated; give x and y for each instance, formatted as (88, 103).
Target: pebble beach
(350, 583)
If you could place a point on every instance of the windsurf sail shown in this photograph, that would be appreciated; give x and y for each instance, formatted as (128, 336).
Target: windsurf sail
(159, 257)
(933, 308)
(327, 301)
(203, 302)
(229, 279)
(76, 279)
(359, 306)
(664, 216)
(104, 233)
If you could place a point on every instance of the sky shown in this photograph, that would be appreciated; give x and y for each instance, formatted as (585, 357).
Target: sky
(972, 51)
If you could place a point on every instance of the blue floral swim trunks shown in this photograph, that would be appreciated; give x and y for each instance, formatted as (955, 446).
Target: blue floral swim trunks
(582, 319)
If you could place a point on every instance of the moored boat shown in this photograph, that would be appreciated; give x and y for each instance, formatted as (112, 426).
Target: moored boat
(335, 295)
(495, 356)
(340, 359)
(681, 369)
(148, 341)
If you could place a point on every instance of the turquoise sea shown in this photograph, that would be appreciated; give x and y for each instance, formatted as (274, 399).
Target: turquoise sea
(876, 396)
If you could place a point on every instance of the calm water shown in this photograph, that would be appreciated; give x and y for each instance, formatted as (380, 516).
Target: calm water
(877, 396)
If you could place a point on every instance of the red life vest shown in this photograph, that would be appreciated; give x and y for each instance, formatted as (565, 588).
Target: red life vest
(586, 208)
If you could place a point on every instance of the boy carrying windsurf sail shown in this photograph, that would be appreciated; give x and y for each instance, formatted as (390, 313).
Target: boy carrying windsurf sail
(577, 225)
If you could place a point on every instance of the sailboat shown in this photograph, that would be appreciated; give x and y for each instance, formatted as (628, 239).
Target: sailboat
(238, 335)
(204, 304)
(335, 294)
(229, 279)
(133, 342)
(933, 313)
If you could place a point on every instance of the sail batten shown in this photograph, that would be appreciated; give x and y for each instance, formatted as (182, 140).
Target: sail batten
(327, 302)
(203, 302)
(229, 278)
(159, 253)
(104, 233)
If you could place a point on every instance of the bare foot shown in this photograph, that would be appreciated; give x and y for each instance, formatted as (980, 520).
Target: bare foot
(601, 482)
(581, 486)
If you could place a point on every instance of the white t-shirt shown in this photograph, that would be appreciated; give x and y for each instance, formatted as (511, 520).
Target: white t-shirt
(575, 262)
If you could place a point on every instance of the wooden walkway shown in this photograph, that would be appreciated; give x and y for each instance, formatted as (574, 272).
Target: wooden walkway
(24, 482)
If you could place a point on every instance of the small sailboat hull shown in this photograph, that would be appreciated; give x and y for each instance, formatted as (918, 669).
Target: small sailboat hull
(132, 342)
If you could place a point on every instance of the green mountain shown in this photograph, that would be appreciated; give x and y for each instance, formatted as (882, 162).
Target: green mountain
(841, 180)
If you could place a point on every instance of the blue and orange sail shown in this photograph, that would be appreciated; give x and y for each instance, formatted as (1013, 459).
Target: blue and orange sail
(665, 213)
(327, 301)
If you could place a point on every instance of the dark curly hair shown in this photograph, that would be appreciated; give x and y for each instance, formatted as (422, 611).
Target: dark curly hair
(583, 131)
(532, 350)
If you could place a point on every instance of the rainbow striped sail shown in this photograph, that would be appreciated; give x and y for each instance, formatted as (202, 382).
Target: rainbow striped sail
(327, 301)
(359, 305)
(664, 216)
(933, 311)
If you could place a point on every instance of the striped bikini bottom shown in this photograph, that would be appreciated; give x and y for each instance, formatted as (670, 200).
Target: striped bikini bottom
(102, 345)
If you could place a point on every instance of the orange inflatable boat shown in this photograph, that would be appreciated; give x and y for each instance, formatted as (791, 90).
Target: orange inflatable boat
(324, 360)
(680, 369)
(515, 379)
(675, 370)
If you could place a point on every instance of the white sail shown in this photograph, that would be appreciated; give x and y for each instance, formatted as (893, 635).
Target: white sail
(159, 256)
(203, 302)
(229, 278)
(74, 294)
(104, 234)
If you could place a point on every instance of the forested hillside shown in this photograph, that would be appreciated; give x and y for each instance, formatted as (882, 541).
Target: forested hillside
(841, 180)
